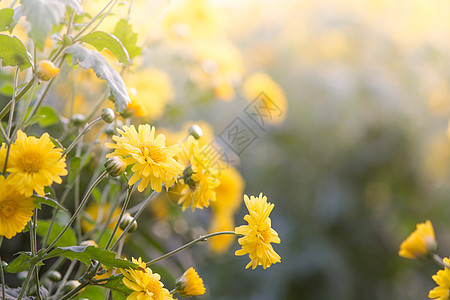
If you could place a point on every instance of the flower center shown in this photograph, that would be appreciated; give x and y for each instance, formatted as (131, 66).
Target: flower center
(30, 162)
(7, 209)
(153, 151)
(262, 235)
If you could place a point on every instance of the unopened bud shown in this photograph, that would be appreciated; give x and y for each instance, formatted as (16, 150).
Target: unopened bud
(78, 119)
(126, 220)
(108, 115)
(4, 264)
(195, 131)
(115, 166)
(190, 284)
(46, 70)
(110, 130)
(88, 243)
(54, 276)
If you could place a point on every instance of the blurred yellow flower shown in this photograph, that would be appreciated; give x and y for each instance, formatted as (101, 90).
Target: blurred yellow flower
(95, 214)
(442, 278)
(420, 243)
(258, 234)
(15, 210)
(275, 104)
(145, 284)
(228, 199)
(190, 284)
(150, 90)
(152, 161)
(198, 177)
(34, 163)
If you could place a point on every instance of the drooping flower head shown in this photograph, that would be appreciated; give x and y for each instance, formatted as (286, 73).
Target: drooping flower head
(190, 284)
(258, 234)
(442, 278)
(34, 163)
(199, 177)
(152, 161)
(145, 284)
(15, 210)
(420, 243)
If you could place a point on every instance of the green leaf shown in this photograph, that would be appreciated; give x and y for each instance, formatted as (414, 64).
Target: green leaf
(13, 52)
(6, 18)
(44, 14)
(92, 292)
(124, 32)
(67, 239)
(50, 117)
(85, 254)
(116, 284)
(89, 59)
(101, 40)
(74, 169)
(20, 263)
(48, 201)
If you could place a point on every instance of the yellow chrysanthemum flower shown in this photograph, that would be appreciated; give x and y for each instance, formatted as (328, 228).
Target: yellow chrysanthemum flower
(199, 177)
(258, 234)
(145, 284)
(442, 278)
(420, 243)
(15, 210)
(190, 284)
(34, 163)
(152, 161)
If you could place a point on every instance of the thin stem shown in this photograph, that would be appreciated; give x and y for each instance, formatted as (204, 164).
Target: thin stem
(138, 213)
(160, 17)
(122, 212)
(92, 21)
(200, 239)
(78, 210)
(11, 115)
(83, 132)
(2, 274)
(6, 109)
(439, 261)
(27, 282)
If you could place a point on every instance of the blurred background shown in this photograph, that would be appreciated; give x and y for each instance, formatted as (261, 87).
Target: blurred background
(355, 153)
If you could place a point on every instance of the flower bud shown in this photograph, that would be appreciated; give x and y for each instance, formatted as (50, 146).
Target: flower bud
(108, 115)
(115, 166)
(4, 264)
(110, 130)
(88, 243)
(190, 284)
(46, 70)
(78, 119)
(126, 220)
(195, 131)
(54, 276)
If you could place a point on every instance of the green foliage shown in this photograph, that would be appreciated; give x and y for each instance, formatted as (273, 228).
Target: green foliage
(6, 19)
(119, 290)
(38, 200)
(67, 239)
(101, 40)
(124, 32)
(13, 52)
(92, 292)
(21, 263)
(49, 116)
(74, 169)
(86, 254)
(89, 59)
(44, 14)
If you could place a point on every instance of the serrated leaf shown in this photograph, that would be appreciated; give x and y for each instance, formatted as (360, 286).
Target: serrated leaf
(116, 284)
(13, 52)
(101, 40)
(74, 169)
(44, 14)
(67, 239)
(20, 263)
(89, 59)
(48, 201)
(85, 254)
(6, 18)
(49, 116)
(124, 32)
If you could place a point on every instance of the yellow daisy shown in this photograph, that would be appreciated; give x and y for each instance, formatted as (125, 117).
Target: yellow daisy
(152, 161)
(420, 243)
(34, 163)
(15, 210)
(258, 234)
(442, 278)
(145, 284)
(199, 177)
(190, 284)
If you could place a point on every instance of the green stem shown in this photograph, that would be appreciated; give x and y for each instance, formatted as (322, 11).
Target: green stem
(6, 109)
(13, 104)
(27, 282)
(83, 132)
(2, 274)
(78, 210)
(200, 239)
